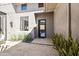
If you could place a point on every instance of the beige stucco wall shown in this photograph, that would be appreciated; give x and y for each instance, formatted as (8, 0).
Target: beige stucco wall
(61, 19)
(49, 22)
(75, 19)
(50, 6)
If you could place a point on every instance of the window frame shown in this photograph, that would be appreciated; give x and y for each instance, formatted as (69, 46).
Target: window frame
(40, 5)
(23, 7)
(22, 23)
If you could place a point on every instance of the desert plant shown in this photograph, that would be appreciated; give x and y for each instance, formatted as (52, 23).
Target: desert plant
(17, 37)
(57, 39)
(13, 38)
(27, 38)
(2, 42)
(20, 36)
(23, 37)
(65, 47)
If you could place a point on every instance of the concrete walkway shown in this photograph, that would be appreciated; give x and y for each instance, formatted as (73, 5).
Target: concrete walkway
(45, 41)
(36, 48)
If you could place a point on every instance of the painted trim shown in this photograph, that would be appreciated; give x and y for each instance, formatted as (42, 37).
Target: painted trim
(5, 27)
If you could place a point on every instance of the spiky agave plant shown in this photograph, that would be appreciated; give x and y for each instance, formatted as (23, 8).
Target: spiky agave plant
(66, 47)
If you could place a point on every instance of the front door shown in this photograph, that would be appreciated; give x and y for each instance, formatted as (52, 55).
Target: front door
(42, 28)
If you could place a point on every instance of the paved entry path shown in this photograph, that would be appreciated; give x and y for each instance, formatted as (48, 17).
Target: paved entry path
(38, 47)
(42, 41)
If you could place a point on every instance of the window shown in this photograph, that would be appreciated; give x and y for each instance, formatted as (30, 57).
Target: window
(24, 23)
(40, 5)
(24, 7)
(0, 25)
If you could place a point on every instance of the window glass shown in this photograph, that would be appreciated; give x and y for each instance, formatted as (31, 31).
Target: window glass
(0, 24)
(40, 4)
(24, 23)
(24, 7)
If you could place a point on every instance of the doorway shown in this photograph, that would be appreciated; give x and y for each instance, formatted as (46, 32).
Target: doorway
(42, 28)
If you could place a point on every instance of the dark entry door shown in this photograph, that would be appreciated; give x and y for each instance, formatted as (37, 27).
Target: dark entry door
(42, 28)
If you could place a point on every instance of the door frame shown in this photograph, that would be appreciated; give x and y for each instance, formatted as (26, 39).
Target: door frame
(5, 24)
(39, 28)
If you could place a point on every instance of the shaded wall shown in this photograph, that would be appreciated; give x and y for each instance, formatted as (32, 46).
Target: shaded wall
(75, 20)
(61, 19)
(49, 23)
(61, 15)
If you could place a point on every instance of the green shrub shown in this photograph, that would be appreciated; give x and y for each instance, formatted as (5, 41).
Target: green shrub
(23, 37)
(65, 47)
(20, 36)
(17, 37)
(13, 38)
(2, 42)
(57, 39)
(27, 38)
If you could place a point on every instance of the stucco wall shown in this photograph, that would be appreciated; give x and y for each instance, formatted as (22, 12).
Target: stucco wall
(75, 19)
(50, 7)
(49, 22)
(30, 8)
(15, 18)
(8, 9)
(61, 19)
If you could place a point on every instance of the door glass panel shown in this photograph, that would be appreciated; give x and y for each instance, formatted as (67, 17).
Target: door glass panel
(42, 21)
(42, 33)
(42, 27)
